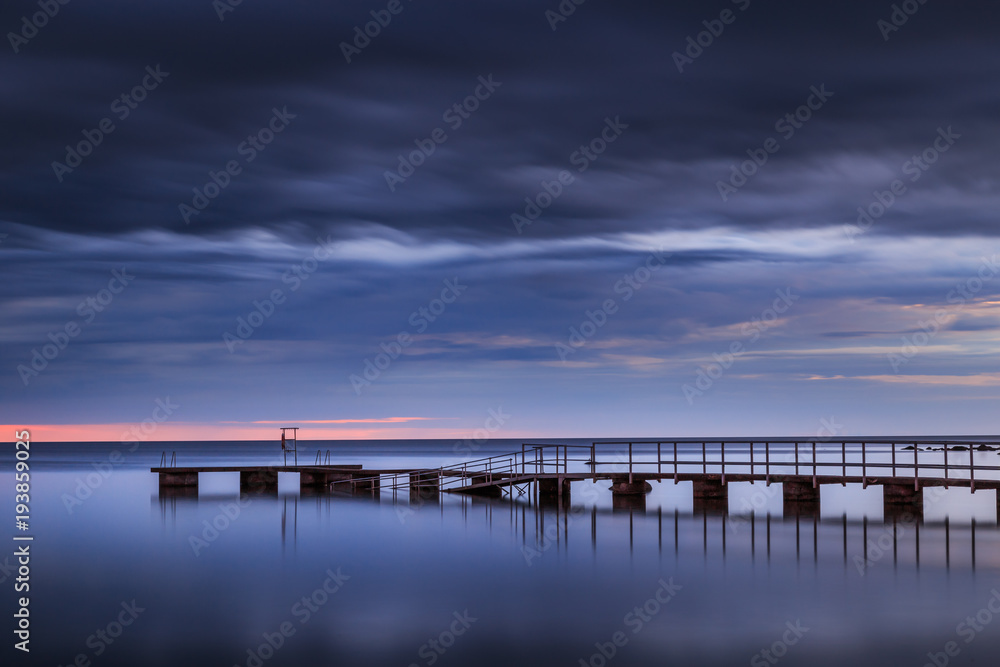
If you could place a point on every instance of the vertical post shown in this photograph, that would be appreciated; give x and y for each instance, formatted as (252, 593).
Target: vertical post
(675, 464)
(972, 469)
(864, 463)
(722, 454)
(630, 463)
(893, 445)
(796, 457)
(814, 464)
(945, 465)
(704, 459)
(843, 460)
(659, 460)
(916, 470)
(751, 457)
(767, 464)
(522, 458)
(565, 461)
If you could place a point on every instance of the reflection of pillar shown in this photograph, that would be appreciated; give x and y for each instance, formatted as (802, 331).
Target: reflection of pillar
(711, 496)
(174, 479)
(628, 502)
(365, 482)
(424, 486)
(899, 499)
(800, 498)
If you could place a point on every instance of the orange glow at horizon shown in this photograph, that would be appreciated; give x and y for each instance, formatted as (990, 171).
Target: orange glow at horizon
(182, 431)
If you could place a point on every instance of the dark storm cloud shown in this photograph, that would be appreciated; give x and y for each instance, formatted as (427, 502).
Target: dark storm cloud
(607, 60)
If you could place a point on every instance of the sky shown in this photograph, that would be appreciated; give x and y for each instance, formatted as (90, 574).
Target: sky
(410, 219)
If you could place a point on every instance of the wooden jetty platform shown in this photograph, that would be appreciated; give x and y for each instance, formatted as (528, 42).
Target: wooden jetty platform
(901, 468)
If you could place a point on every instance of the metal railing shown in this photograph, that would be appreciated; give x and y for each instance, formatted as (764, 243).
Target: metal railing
(173, 460)
(920, 459)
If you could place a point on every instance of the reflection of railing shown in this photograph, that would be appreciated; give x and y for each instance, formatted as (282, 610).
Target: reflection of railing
(173, 460)
(810, 458)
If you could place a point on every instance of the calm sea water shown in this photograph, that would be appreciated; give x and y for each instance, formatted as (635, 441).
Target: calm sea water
(123, 576)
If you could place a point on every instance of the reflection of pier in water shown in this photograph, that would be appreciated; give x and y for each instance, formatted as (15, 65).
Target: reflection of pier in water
(706, 533)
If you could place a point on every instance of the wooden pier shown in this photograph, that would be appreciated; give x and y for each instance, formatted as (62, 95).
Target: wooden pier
(902, 468)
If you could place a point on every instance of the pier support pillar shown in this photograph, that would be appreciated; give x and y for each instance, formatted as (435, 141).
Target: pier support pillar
(620, 486)
(314, 479)
(800, 499)
(424, 486)
(554, 487)
(710, 489)
(259, 481)
(901, 497)
(175, 479)
(711, 496)
(801, 492)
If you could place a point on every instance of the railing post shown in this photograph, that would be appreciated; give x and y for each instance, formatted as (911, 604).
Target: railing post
(864, 469)
(767, 463)
(704, 459)
(972, 468)
(843, 460)
(945, 464)
(675, 462)
(522, 458)
(659, 460)
(722, 454)
(796, 458)
(814, 464)
(893, 459)
(916, 469)
(630, 463)
(751, 458)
